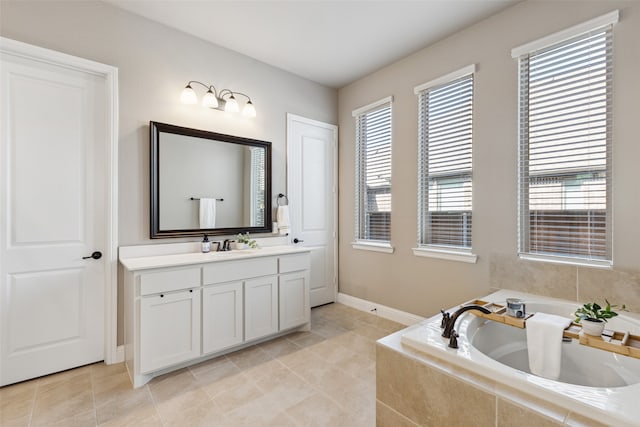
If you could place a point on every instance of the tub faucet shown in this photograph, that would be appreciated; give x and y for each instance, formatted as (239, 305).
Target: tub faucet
(448, 327)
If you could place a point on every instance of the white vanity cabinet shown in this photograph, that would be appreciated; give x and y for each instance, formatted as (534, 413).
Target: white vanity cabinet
(222, 316)
(260, 307)
(169, 317)
(182, 309)
(169, 329)
(294, 290)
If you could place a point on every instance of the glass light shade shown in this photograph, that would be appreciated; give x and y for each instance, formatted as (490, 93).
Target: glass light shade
(249, 110)
(232, 105)
(209, 100)
(188, 95)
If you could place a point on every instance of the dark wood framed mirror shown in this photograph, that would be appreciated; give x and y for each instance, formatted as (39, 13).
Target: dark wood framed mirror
(208, 183)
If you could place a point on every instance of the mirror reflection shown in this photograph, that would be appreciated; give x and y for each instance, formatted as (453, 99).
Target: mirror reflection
(208, 183)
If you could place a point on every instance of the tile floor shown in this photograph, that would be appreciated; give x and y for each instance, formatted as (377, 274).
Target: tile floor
(325, 377)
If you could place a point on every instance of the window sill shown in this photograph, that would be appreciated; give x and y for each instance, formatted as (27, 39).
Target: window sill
(447, 254)
(372, 246)
(605, 264)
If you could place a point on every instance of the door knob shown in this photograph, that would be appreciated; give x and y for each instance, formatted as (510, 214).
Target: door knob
(95, 255)
(296, 240)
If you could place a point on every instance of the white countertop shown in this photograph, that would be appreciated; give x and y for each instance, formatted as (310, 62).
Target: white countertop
(180, 259)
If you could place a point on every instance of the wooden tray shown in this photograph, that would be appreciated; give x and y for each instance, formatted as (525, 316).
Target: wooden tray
(499, 314)
(613, 341)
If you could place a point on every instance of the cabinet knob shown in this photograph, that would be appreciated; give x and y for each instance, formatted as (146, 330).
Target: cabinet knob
(190, 290)
(161, 295)
(296, 240)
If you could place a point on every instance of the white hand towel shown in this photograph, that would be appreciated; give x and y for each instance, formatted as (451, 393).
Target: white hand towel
(283, 219)
(544, 343)
(207, 213)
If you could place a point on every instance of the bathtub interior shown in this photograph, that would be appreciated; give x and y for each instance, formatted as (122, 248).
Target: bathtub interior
(580, 364)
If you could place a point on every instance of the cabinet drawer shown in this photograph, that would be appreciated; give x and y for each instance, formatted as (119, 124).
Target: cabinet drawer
(294, 262)
(170, 280)
(229, 271)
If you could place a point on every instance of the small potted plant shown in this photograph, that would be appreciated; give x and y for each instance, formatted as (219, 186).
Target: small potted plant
(592, 317)
(243, 241)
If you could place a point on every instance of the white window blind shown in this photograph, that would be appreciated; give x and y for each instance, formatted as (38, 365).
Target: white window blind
(257, 187)
(445, 164)
(565, 148)
(373, 173)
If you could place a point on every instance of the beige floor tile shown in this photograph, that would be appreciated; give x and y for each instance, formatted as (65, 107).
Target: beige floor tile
(229, 399)
(370, 331)
(249, 357)
(16, 403)
(328, 329)
(171, 385)
(331, 351)
(216, 373)
(142, 417)
(100, 370)
(124, 403)
(191, 413)
(209, 365)
(306, 339)
(259, 412)
(280, 347)
(62, 398)
(83, 419)
(285, 388)
(317, 410)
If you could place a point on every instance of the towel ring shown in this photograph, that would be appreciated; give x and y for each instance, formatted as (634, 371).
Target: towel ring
(280, 196)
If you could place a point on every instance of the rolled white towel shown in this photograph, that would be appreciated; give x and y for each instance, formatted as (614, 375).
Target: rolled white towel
(544, 344)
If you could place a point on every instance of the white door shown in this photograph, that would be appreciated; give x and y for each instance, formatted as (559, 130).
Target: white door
(311, 188)
(53, 152)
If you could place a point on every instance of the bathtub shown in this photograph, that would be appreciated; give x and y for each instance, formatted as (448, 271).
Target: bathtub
(597, 383)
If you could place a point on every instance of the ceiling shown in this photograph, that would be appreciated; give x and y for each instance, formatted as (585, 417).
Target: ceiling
(330, 42)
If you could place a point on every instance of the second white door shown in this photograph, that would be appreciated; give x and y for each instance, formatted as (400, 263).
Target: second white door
(311, 187)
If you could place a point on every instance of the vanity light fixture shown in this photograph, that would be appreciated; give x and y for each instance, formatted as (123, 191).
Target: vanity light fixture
(224, 99)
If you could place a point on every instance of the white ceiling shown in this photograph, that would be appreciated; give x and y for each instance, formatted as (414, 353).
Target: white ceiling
(330, 42)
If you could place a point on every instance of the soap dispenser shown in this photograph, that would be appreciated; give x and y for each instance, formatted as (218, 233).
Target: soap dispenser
(206, 244)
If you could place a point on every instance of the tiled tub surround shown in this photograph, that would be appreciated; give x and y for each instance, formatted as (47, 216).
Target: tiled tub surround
(420, 381)
(571, 282)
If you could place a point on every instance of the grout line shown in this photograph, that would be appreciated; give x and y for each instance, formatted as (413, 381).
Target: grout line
(33, 404)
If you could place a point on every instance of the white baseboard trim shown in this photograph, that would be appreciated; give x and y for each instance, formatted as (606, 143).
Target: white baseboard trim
(380, 310)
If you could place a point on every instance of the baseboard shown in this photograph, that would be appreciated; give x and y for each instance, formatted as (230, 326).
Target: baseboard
(380, 310)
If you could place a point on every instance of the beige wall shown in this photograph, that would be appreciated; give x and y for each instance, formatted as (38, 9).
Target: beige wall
(155, 63)
(423, 285)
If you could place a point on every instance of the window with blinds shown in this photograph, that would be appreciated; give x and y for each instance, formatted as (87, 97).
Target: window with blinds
(257, 186)
(565, 148)
(445, 162)
(373, 172)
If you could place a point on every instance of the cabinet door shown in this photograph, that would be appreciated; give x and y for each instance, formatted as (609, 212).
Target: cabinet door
(294, 299)
(221, 316)
(169, 329)
(260, 307)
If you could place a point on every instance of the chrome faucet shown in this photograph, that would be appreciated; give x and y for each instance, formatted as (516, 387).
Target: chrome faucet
(449, 322)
